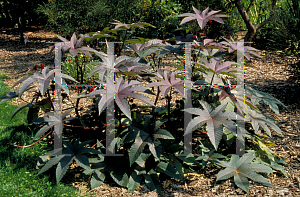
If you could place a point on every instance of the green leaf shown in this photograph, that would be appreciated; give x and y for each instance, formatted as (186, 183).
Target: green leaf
(267, 98)
(241, 169)
(136, 149)
(164, 134)
(155, 147)
(119, 177)
(130, 136)
(152, 181)
(269, 152)
(82, 161)
(178, 166)
(189, 159)
(141, 160)
(62, 167)
(134, 181)
(259, 119)
(50, 163)
(168, 170)
(97, 179)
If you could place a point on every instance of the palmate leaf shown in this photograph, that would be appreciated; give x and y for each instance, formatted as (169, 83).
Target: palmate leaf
(134, 181)
(171, 49)
(259, 119)
(267, 98)
(122, 63)
(97, 179)
(128, 26)
(8, 96)
(119, 92)
(266, 159)
(52, 119)
(120, 177)
(234, 46)
(136, 149)
(169, 81)
(174, 161)
(142, 138)
(97, 171)
(152, 181)
(43, 79)
(214, 119)
(70, 153)
(145, 47)
(202, 18)
(242, 169)
(211, 156)
(230, 95)
(168, 169)
(217, 66)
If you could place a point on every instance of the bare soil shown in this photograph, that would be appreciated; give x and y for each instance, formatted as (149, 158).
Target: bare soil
(269, 76)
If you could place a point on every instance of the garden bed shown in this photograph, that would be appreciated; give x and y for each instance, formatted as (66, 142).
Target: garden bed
(269, 76)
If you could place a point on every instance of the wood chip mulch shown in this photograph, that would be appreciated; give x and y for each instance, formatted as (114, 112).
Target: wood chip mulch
(270, 75)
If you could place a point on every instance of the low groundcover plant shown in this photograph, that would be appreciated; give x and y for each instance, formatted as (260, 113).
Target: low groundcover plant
(150, 138)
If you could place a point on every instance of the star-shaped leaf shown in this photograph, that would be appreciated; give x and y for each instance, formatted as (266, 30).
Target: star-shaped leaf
(169, 81)
(71, 152)
(242, 169)
(143, 138)
(119, 92)
(267, 98)
(202, 18)
(217, 66)
(214, 119)
(238, 46)
(122, 63)
(259, 119)
(75, 45)
(44, 79)
(52, 119)
(119, 24)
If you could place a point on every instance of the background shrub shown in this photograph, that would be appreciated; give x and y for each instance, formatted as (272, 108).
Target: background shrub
(65, 17)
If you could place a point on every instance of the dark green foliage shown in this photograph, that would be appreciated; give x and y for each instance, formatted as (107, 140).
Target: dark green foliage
(283, 32)
(11, 10)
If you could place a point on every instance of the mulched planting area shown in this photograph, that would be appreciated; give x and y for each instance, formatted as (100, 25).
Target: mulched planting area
(270, 76)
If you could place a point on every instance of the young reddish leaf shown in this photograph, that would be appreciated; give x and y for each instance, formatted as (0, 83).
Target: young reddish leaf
(119, 24)
(75, 45)
(217, 66)
(169, 81)
(119, 92)
(202, 18)
(234, 46)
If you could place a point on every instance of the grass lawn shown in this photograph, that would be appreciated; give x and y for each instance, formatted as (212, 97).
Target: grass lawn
(17, 165)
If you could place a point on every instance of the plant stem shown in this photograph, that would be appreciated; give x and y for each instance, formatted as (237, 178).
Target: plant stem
(169, 98)
(49, 97)
(79, 90)
(211, 82)
(155, 102)
(177, 57)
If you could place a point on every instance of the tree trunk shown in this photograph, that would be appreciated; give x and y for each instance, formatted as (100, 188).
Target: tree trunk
(21, 30)
(252, 29)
